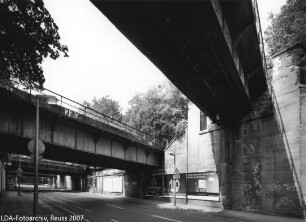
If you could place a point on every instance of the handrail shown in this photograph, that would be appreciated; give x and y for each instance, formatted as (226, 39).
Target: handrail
(76, 107)
(95, 111)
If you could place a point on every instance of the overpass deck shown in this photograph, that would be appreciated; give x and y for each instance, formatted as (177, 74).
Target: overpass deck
(210, 49)
(73, 132)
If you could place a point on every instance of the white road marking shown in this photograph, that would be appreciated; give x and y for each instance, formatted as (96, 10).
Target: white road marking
(62, 208)
(84, 209)
(111, 205)
(165, 218)
(114, 220)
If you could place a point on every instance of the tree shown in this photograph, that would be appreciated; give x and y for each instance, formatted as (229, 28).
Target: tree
(161, 112)
(107, 106)
(288, 28)
(27, 35)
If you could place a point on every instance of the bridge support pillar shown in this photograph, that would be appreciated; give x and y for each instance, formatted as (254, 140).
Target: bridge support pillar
(61, 182)
(76, 183)
(2, 177)
(84, 183)
(135, 183)
(53, 182)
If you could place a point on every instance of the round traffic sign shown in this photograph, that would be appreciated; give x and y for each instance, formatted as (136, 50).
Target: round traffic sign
(19, 172)
(174, 183)
(41, 147)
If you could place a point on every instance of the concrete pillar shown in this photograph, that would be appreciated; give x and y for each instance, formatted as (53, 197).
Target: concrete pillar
(289, 100)
(61, 182)
(84, 183)
(53, 182)
(57, 181)
(76, 183)
(68, 182)
(135, 183)
(1, 188)
(2, 176)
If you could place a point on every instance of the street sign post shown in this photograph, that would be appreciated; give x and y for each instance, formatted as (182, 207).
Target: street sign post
(19, 174)
(176, 176)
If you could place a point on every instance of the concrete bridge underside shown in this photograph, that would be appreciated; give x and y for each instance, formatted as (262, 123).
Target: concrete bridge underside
(210, 49)
(67, 139)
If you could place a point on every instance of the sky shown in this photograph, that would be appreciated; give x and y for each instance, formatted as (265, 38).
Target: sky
(101, 60)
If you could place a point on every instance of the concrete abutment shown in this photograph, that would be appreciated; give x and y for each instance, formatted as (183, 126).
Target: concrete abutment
(259, 161)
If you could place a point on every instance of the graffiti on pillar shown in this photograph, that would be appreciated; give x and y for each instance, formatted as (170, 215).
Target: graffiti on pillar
(252, 185)
(285, 196)
(276, 188)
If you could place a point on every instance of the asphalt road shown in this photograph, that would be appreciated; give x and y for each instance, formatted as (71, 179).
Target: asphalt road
(63, 206)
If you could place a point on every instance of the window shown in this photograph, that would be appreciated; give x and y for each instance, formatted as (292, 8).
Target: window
(203, 121)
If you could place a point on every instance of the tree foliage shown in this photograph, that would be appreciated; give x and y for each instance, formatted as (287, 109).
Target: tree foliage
(288, 28)
(161, 112)
(27, 35)
(107, 106)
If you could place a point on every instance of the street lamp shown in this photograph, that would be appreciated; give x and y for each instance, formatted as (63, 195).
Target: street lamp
(174, 180)
(48, 99)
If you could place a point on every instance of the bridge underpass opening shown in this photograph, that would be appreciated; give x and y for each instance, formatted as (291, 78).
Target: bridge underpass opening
(108, 181)
(53, 175)
(65, 176)
(119, 182)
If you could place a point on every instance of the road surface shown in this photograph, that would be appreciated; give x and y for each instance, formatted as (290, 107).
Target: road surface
(70, 206)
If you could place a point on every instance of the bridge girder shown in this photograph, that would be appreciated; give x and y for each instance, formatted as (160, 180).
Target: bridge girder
(209, 49)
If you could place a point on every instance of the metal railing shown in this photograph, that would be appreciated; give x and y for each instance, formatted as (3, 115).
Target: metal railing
(72, 109)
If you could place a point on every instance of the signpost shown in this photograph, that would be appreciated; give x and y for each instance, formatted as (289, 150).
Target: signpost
(176, 176)
(37, 148)
(19, 174)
